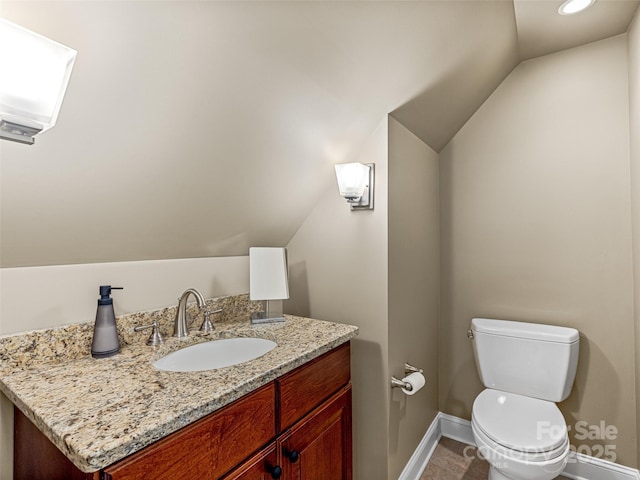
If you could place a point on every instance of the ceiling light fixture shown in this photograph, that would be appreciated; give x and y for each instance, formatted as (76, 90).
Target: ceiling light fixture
(35, 73)
(574, 6)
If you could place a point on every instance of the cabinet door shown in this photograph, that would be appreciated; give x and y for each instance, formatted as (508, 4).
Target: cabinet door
(262, 466)
(319, 446)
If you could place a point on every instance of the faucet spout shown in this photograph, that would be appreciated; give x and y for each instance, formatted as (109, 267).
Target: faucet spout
(180, 328)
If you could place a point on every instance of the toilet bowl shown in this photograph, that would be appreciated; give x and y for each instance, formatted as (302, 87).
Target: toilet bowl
(516, 424)
(522, 438)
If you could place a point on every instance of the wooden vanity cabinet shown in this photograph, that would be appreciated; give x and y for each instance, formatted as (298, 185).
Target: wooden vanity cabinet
(314, 425)
(316, 448)
(295, 428)
(315, 418)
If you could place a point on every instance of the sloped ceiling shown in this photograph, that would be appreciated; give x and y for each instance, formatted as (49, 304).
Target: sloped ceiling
(487, 56)
(540, 31)
(200, 128)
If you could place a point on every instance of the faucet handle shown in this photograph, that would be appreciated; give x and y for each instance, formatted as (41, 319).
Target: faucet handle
(207, 326)
(155, 338)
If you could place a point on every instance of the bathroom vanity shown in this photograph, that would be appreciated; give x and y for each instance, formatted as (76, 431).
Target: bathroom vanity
(284, 415)
(303, 418)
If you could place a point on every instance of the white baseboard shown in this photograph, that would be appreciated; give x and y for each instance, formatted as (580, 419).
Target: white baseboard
(456, 428)
(579, 467)
(418, 461)
(584, 467)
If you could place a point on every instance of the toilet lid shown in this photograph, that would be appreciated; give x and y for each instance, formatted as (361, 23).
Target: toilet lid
(520, 423)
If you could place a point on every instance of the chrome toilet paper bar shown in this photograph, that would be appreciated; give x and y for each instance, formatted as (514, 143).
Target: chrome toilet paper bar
(396, 383)
(411, 369)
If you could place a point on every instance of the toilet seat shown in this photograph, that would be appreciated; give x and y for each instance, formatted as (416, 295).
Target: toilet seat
(524, 427)
(495, 449)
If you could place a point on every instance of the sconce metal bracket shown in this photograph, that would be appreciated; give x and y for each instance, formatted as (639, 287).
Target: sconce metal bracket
(366, 202)
(18, 133)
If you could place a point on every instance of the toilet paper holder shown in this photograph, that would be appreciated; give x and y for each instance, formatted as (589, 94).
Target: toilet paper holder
(396, 383)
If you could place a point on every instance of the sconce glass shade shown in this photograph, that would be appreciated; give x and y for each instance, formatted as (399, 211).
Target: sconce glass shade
(355, 182)
(35, 73)
(353, 179)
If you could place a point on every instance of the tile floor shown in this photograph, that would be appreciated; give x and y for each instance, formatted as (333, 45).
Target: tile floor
(449, 462)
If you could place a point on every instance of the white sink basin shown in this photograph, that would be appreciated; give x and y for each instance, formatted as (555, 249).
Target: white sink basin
(214, 354)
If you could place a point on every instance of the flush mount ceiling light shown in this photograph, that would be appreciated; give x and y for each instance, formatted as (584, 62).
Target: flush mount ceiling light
(355, 182)
(35, 73)
(574, 6)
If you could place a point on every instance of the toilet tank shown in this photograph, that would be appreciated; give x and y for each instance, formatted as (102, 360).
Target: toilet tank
(530, 359)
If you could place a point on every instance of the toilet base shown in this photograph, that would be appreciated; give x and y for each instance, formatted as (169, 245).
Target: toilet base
(495, 474)
(503, 473)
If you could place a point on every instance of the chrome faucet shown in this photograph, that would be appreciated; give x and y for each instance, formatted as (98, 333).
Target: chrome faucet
(180, 327)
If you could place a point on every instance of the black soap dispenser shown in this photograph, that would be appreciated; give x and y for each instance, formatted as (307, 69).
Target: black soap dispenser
(105, 334)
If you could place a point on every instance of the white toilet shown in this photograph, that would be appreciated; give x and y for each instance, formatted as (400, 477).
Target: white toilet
(516, 424)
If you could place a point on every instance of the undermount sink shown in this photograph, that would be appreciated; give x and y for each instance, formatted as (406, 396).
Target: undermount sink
(215, 354)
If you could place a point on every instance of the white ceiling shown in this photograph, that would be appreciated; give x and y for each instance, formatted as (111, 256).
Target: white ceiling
(436, 114)
(541, 30)
(200, 128)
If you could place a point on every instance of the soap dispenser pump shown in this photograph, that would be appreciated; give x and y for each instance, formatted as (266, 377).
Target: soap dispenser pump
(105, 334)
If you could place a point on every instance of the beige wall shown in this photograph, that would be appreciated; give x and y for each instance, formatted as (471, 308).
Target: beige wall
(379, 270)
(535, 209)
(41, 297)
(341, 263)
(414, 279)
(338, 272)
(633, 45)
(201, 128)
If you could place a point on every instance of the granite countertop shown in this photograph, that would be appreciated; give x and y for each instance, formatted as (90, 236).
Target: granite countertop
(98, 411)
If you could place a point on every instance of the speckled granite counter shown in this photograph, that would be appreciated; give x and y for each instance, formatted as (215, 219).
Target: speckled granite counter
(100, 411)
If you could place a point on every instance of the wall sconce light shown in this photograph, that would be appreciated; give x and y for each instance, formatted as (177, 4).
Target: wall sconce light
(35, 73)
(268, 282)
(355, 182)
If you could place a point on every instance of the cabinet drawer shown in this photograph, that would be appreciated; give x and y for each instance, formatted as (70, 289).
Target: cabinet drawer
(209, 447)
(258, 467)
(308, 386)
